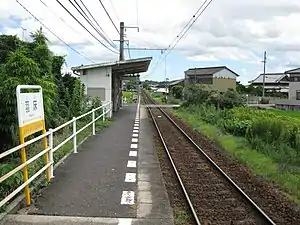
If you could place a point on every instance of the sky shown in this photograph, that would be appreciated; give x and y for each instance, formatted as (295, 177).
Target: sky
(230, 33)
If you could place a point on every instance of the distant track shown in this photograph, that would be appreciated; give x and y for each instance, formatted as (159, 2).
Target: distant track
(211, 194)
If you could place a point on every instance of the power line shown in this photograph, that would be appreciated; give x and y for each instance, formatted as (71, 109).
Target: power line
(76, 31)
(114, 46)
(54, 33)
(148, 49)
(191, 19)
(109, 17)
(128, 50)
(84, 15)
(112, 5)
(188, 26)
(84, 26)
(137, 12)
(191, 24)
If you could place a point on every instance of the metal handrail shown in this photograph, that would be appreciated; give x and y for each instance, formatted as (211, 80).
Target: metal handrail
(106, 108)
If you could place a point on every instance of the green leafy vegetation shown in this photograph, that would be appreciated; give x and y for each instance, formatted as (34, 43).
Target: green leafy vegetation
(32, 63)
(198, 94)
(268, 141)
(128, 95)
(177, 91)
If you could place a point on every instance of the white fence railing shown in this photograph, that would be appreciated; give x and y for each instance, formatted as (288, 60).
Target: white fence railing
(106, 109)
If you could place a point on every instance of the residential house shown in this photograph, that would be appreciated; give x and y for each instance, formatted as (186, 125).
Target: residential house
(274, 82)
(218, 78)
(294, 85)
(175, 83)
(293, 103)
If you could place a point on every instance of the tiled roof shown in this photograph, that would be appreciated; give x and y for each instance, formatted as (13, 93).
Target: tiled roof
(209, 70)
(174, 82)
(297, 70)
(269, 78)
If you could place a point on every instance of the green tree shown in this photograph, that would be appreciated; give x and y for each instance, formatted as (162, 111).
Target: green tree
(8, 44)
(240, 88)
(77, 99)
(197, 94)
(177, 91)
(19, 69)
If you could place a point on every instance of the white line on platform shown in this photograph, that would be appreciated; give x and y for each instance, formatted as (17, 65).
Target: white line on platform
(130, 177)
(135, 131)
(127, 198)
(131, 164)
(135, 140)
(136, 124)
(136, 128)
(134, 146)
(135, 135)
(125, 221)
(133, 153)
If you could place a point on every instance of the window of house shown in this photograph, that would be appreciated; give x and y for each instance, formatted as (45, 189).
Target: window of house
(84, 72)
(298, 94)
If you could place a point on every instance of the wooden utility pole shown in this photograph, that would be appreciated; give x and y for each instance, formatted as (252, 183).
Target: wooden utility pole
(264, 75)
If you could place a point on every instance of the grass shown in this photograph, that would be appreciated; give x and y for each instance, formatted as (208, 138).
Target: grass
(13, 182)
(159, 98)
(128, 95)
(261, 164)
(289, 113)
(181, 216)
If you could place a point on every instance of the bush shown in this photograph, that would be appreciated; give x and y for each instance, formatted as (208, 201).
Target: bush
(177, 91)
(197, 94)
(272, 134)
(264, 101)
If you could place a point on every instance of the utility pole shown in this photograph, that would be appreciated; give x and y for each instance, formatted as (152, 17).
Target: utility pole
(122, 31)
(23, 34)
(166, 79)
(264, 75)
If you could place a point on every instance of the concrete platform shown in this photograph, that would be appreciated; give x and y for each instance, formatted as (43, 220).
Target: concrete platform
(67, 220)
(114, 176)
(152, 199)
(91, 182)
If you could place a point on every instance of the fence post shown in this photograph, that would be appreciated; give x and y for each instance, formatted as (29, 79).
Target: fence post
(93, 118)
(103, 113)
(51, 152)
(74, 136)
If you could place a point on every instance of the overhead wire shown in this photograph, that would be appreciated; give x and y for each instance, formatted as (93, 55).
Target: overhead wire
(56, 14)
(84, 15)
(84, 26)
(109, 17)
(182, 33)
(128, 50)
(137, 12)
(114, 45)
(53, 32)
(112, 5)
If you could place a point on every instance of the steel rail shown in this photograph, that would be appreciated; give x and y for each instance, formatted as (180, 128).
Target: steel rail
(175, 169)
(213, 163)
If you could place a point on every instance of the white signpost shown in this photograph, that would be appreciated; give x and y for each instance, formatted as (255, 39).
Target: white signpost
(30, 107)
(31, 120)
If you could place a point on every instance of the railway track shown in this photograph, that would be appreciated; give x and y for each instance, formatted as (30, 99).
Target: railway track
(211, 195)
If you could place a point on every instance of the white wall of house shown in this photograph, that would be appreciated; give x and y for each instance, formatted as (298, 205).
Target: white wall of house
(293, 88)
(98, 78)
(225, 73)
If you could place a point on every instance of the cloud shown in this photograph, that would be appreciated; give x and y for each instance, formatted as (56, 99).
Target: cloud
(228, 30)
